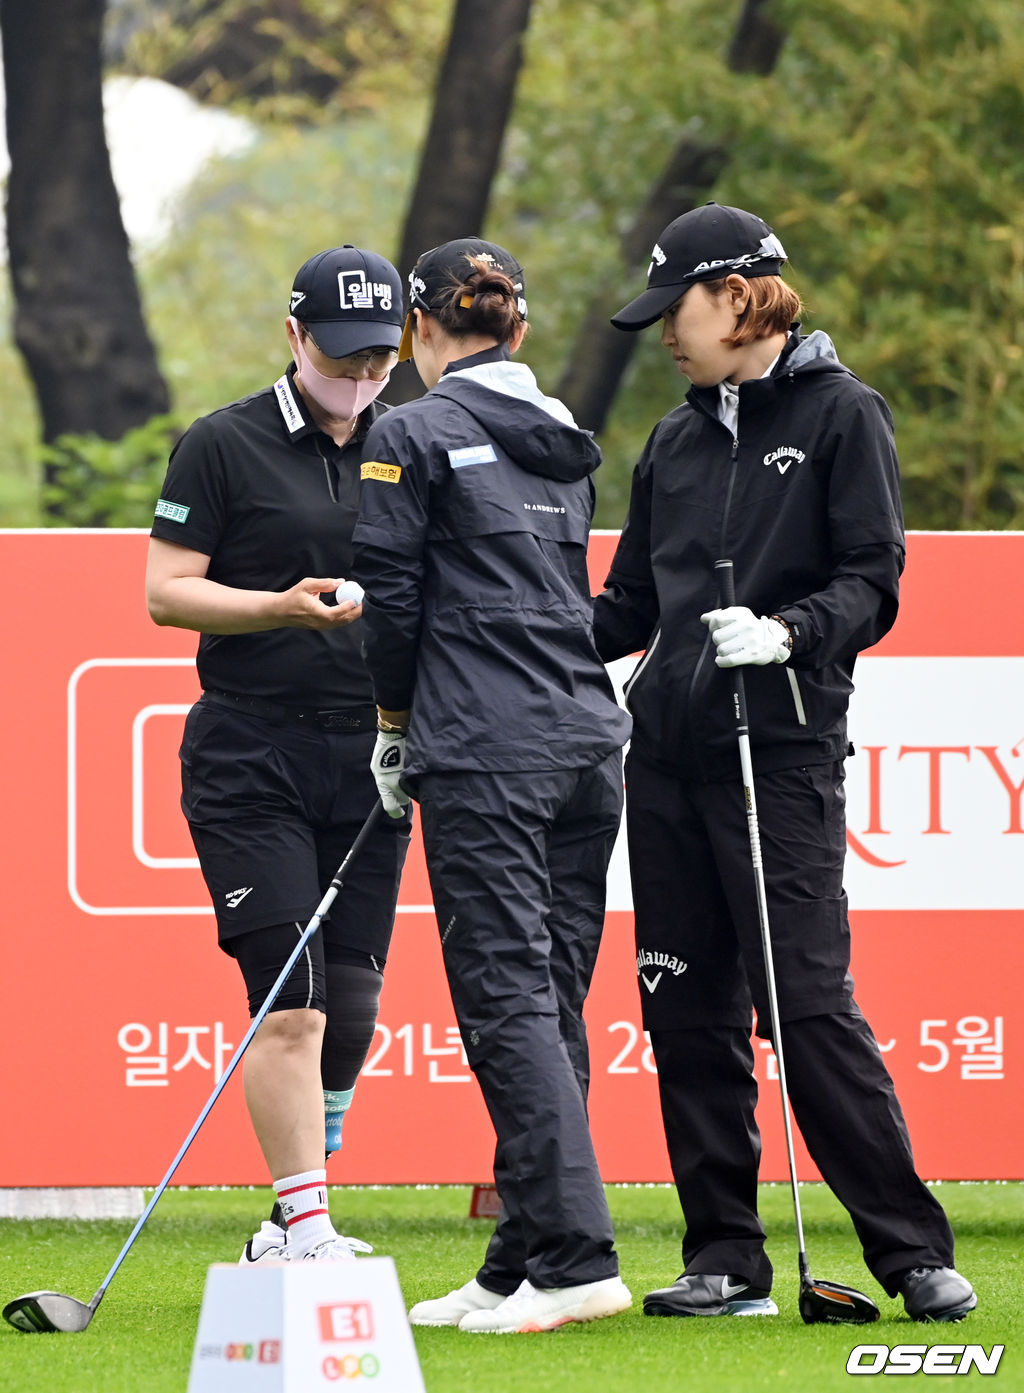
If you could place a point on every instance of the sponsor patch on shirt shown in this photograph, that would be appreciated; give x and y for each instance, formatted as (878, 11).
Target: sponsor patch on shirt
(293, 418)
(384, 473)
(472, 454)
(174, 512)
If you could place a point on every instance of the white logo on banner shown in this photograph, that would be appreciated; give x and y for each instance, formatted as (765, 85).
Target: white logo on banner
(934, 814)
(935, 792)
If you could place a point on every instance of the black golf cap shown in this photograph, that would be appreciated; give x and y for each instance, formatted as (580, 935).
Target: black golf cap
(350, 300)
(703, 245)
(437, 271)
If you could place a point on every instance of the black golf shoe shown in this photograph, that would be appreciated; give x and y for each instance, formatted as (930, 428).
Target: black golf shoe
(702, 1294)
(936, 1294)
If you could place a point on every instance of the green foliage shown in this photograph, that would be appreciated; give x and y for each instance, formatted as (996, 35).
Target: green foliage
(19, 439)
(290, 60)
(246, 227)
(885, 150)
(900, 201)
(93, 482)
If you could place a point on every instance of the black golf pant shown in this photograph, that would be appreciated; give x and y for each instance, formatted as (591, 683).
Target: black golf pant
(517, 867)
(848, 1115)
(695, 905)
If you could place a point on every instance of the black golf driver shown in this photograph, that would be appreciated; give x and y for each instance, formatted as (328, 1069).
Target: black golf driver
(48, 1312)
(821, 1303)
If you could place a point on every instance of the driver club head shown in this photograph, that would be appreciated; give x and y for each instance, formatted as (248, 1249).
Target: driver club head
(830, 1303)
(48, 1312)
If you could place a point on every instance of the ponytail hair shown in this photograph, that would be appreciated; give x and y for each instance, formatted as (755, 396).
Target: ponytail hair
(486, 303)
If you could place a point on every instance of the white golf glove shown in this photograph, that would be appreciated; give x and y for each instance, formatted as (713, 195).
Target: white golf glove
(386, 765)
(741, 637)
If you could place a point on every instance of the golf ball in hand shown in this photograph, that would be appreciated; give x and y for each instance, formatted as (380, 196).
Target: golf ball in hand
(349, 590)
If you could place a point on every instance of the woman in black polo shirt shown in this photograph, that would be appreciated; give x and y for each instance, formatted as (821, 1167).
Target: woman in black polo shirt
(251, 536)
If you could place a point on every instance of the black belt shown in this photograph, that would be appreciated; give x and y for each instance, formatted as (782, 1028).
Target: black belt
(345, 718)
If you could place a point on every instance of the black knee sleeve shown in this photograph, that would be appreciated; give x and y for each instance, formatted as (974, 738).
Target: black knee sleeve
(353, 994)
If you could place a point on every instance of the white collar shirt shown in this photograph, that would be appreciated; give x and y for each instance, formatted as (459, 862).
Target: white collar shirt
(729, 399)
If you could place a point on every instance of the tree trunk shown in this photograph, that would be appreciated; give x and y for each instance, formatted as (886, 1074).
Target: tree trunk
(473, 100)
(757, 40)
(601, 353)
(78, 316)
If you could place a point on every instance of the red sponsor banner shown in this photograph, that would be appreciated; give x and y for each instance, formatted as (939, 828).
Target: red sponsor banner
(120, 1012)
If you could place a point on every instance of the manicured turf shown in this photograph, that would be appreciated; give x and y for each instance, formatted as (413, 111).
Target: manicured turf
(141, 1339)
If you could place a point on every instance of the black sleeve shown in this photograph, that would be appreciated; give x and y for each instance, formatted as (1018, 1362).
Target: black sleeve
(626, 612)
(392, 615)
(389, 542)
(193, 503)
(854, 611)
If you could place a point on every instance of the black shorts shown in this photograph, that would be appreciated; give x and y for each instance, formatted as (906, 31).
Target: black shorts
(273, 810)
(700, 957)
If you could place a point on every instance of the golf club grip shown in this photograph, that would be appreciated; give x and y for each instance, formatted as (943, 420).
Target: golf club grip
(726, 583)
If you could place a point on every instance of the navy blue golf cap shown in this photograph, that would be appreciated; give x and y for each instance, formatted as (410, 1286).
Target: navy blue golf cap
(350, 300)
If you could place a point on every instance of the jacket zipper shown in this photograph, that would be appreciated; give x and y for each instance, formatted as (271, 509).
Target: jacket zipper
(705, 649)
(733, 466)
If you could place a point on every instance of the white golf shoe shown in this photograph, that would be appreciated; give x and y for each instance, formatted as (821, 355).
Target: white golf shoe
(449, 1310)
(339, 1249)
(531, 1309)
(269, 1245)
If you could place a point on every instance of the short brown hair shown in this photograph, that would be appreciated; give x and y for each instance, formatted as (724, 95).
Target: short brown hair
(773, 307)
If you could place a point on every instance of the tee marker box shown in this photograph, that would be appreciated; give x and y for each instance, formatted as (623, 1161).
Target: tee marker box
(296, 1327)
(485, 1202)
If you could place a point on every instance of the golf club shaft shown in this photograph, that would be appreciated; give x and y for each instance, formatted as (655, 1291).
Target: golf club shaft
(254, 1025)
(727, 593)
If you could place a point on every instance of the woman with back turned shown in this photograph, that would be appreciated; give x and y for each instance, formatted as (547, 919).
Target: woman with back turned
(497, 715)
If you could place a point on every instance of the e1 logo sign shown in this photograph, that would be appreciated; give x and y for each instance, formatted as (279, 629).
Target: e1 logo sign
(346, 1320)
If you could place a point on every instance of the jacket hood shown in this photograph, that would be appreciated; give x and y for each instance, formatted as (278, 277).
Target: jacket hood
(815, 351)
(536, 431)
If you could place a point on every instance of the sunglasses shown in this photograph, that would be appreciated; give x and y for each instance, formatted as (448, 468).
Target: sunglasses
(376, 359)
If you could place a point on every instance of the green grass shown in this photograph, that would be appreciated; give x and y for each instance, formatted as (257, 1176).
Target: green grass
(141, 1339)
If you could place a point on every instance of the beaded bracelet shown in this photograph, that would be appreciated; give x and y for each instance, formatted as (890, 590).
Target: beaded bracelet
(789, 632)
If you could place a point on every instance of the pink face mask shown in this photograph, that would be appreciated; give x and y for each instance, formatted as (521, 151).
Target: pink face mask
(341, 397)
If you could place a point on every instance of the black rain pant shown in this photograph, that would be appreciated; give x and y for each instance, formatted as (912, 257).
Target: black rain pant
(517, 865)
(695, 904)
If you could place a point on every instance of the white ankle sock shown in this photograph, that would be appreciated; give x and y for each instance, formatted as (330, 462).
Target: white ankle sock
(303, 1201)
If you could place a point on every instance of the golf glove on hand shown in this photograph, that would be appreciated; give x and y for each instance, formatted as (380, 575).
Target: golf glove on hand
(741, 637)
(386, 765)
